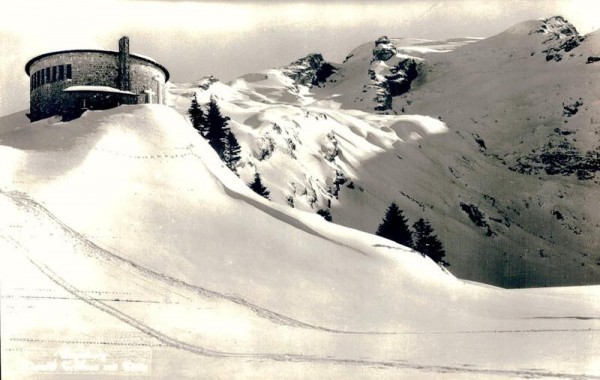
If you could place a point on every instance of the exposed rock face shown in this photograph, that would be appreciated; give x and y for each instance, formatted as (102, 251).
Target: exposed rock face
(477, 217)
(592, 59)
(383, 50)
(556, 27)
(572, 108)
(562, 37)
(391, 73)
(311, 70)
(205, 82)
(560, 157)
(402, 75)
(555, 52)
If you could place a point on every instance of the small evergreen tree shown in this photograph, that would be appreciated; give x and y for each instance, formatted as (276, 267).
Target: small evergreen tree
(197, 117)
(427, 243)
(217, 128)
(326, 214)
(232, 151)
(258, 187)
(394, 226)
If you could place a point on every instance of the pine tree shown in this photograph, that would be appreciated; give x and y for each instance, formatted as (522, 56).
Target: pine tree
(217, 128)
(427, 243)
(197, 117)
(395, 226)
(258, 187)
(326, 214)
(232, 151)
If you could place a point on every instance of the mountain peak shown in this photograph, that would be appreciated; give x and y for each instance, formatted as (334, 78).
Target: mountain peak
(557, 27)
(554, 27)
(205, 82)
(384, 49)
(382, 40)
(555, 35)
(311, 70)
(563, 37)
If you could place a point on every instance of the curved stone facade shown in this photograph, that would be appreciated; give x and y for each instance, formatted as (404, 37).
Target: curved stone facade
(112, 78)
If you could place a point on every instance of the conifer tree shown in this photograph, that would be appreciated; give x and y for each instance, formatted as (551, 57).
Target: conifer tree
(394, 226)
(197, 117)
(232, 151)
(258, 187)
(326, 214)
(217, 128)
(427, 243)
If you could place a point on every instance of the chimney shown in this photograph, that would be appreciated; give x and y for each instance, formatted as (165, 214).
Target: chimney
(123, 79)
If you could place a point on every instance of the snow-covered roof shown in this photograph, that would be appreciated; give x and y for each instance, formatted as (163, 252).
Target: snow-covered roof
(97, 89)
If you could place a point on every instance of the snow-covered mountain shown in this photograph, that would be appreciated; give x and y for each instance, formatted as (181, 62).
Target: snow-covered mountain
(494, 141)
(128, 248)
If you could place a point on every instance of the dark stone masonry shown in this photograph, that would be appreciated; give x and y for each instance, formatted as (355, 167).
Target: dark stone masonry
(68, 82)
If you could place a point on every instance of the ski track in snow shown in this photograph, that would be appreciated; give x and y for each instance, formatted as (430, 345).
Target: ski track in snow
(196, 349)
(26, 202)
(23, 201)
(175, 343)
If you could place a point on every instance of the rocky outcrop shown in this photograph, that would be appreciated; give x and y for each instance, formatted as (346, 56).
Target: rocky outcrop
(592, 59)
(383, 50)
(559, 157)
(205, 82)
(477, 217)
(556, 27)
(311, 70)
(401, 76)
(572, 108)
(391, 73)
(556, 51)
(562, 37)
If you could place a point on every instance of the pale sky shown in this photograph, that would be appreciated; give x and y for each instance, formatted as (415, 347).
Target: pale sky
(230, 38)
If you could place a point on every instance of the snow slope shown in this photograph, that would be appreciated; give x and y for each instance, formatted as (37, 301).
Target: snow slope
(161, 196)
(489, 142)
(128, 247)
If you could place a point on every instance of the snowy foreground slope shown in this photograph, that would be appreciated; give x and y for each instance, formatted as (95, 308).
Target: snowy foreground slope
(494, 141)
(128, 248)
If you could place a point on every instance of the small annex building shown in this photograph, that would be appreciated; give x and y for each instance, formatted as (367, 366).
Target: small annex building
(68, 82)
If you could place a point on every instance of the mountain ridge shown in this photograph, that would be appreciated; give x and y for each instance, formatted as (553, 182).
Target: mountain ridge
(495, 90)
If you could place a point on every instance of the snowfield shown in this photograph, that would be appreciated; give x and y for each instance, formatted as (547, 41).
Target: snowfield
(128, 248)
